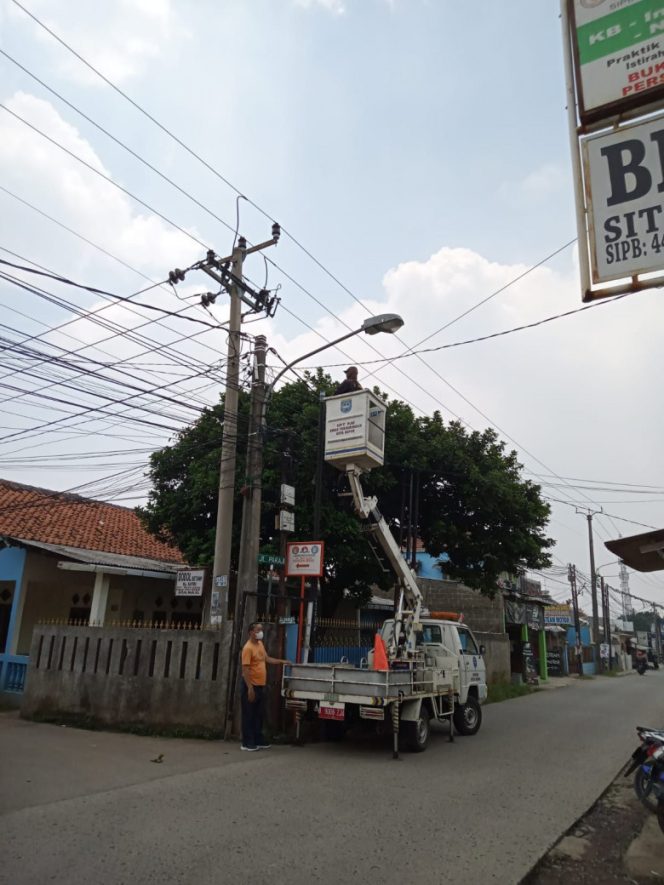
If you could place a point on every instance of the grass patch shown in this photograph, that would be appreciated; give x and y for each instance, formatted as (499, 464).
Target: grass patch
(140, 728)
(505, 691)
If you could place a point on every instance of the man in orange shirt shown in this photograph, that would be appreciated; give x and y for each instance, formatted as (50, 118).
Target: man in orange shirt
(254, 678)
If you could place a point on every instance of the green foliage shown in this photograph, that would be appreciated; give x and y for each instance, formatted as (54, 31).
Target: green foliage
(474, 504)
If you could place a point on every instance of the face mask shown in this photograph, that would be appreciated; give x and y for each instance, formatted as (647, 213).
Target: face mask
(259, 635)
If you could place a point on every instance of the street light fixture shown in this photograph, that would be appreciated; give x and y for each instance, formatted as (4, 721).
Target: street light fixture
(384, 322)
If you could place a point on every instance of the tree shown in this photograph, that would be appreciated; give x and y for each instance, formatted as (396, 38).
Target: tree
(474, 503)
(477, 508)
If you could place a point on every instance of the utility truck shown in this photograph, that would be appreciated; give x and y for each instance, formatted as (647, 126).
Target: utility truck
(425, 665)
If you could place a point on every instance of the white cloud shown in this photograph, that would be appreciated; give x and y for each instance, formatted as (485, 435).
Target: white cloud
(336, 7)
(42, 173)
(119, 38)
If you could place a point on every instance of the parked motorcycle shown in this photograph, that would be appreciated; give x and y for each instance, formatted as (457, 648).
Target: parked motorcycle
(647, 763)
(641, 666)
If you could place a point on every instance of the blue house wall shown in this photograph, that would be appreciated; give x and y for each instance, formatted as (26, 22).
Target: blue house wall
(428, 566)
(586, 642)
(13, 667)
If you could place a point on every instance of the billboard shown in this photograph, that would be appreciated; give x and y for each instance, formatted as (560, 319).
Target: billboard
(624, 169)
(558, 615)
(189, 582)
(619, 53)
(304, 558)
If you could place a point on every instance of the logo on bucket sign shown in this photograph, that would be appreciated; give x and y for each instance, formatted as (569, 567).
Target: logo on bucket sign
(346, 405)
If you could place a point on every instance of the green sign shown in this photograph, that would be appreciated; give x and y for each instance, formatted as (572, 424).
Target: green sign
(270, 559)
(620, 45)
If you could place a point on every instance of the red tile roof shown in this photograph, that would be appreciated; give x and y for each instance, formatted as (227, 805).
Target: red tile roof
(34, 514)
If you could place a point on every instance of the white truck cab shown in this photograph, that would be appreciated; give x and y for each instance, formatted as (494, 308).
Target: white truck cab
(449, 644)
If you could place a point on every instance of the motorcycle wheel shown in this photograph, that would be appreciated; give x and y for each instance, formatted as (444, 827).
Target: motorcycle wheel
(643, 789)
(660, 814)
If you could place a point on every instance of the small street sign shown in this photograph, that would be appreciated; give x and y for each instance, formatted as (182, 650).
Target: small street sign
(221, 581)
(270, 559)
(288, 495)
(286, 521)
(305, 558)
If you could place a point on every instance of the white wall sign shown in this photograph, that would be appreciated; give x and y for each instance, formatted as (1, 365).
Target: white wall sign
(304, 558)
(189, 582)
(619, 51)
(625, 173)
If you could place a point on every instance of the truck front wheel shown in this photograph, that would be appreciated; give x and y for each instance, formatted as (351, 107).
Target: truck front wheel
(468, 716)
(416, 734)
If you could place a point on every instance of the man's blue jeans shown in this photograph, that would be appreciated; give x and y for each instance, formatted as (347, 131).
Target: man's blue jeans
(252, 716)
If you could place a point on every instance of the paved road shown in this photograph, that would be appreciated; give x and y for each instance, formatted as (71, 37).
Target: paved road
(80, 807)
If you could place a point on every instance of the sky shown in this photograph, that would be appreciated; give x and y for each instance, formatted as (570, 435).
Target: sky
(416, 154)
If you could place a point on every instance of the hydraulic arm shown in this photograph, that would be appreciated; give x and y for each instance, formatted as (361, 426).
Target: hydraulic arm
(407, 618)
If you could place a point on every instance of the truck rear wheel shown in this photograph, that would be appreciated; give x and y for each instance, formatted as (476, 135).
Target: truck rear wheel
(468, 716)
(416, 734)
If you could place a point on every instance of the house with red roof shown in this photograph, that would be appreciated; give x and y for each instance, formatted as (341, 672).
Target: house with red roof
(70, 558)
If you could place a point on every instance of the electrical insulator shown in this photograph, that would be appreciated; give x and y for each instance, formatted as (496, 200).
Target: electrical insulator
(176, 276)
(276, 232)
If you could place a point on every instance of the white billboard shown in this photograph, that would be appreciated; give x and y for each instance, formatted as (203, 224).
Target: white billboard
(189, 582)
(624, 174)
(619, 52)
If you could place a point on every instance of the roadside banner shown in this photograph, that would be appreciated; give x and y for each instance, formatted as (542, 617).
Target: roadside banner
(559, 615)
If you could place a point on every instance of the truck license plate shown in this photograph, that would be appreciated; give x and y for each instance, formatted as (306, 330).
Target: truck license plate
(332, 711)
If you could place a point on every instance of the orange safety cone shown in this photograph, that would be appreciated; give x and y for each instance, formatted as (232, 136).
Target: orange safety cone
(380, 654)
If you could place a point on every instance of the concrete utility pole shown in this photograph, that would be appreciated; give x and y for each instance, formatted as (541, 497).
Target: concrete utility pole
(228, 272)
(593, 587)
(571, 577)
(606, 618)
(224, 534)
(251, 514)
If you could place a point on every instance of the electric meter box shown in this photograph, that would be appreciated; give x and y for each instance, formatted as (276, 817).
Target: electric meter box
(354, 430)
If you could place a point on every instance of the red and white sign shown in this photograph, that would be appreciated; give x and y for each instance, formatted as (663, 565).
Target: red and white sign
(305, 558)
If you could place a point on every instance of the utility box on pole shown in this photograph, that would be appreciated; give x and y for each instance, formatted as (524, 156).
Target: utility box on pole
(355, 430)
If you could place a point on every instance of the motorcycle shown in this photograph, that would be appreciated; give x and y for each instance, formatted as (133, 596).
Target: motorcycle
(641, 666)
(647, 763)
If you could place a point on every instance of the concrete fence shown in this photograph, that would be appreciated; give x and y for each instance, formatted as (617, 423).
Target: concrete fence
(496, 657)
(120, 676)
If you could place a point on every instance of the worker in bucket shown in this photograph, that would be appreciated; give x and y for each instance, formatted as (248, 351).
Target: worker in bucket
(350, 384)
(254, 679)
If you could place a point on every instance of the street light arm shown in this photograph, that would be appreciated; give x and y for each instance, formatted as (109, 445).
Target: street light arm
(384, 322)
(306, 356)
